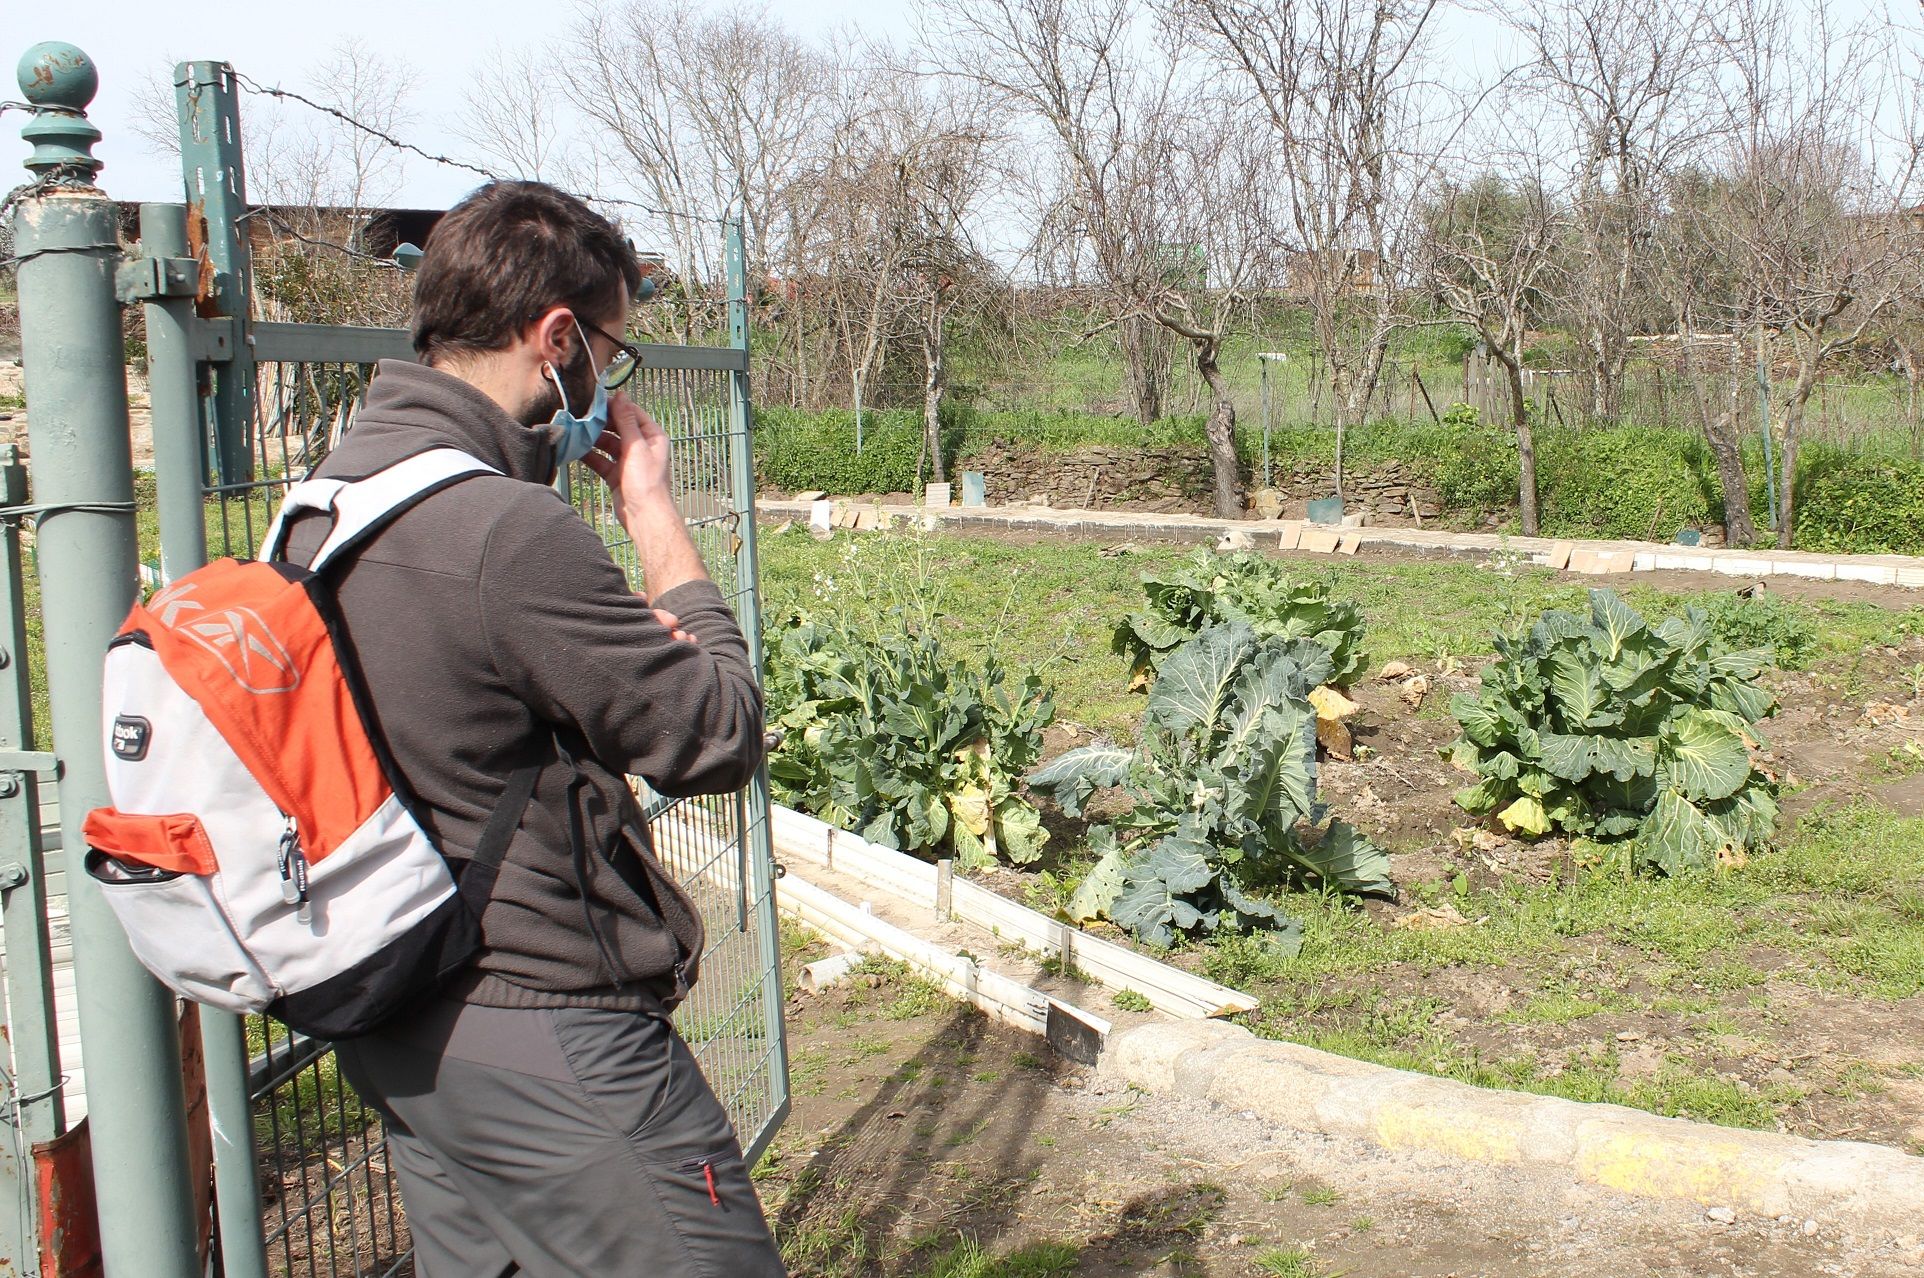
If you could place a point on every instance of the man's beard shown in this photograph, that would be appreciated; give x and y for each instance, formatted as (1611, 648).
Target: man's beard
(577, 375)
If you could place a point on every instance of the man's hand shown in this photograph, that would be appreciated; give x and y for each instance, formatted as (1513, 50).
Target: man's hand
(673, 623)
(633, 457)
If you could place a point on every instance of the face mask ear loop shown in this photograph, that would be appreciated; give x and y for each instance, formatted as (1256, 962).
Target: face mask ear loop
(554, 375)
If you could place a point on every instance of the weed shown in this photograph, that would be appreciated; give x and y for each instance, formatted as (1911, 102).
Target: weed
(1130, 1001)
(1321, 1196)
(1287, 1262)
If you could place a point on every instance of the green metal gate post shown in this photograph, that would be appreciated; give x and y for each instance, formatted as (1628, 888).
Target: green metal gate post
(167, 278)
(757, 838)
(216, 181)
(66, 234)
(31, 1023)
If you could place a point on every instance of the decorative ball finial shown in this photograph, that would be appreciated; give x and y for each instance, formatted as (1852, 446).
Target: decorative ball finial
(58, 75)
(59, 81)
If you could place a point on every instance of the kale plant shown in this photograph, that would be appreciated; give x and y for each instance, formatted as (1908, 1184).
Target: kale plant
(1223, 784)
(887, 736)
(1209, 589)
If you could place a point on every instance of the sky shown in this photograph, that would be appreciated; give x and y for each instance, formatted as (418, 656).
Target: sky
(277, 42)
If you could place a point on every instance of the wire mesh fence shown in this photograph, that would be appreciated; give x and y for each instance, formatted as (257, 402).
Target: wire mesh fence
(329, 1202)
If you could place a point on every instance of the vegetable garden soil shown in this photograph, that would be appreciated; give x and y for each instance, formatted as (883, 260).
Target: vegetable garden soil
(1787, 994)
(927, 1142)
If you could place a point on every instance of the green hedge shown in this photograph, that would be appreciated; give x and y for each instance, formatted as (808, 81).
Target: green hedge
(1619, 482)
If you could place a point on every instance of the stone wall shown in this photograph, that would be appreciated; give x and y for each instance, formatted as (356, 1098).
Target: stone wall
(1171, 480)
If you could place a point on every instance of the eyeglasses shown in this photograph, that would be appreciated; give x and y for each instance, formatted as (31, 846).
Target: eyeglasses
(622, 365)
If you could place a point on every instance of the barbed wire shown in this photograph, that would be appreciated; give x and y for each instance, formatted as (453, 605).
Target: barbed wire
(381, 135)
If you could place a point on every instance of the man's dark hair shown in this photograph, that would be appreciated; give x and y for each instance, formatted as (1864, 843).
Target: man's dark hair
(507, 253)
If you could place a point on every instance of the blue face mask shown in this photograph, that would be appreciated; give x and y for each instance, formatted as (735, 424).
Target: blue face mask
(579, 434)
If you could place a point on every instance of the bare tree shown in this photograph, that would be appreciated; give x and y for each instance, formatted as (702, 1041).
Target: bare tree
(1818, 208)
(512, 117)
(697, 111)
(1150, 205)
(1342, 85)
(1631, 85)
(1489, 256)
(1698, 279)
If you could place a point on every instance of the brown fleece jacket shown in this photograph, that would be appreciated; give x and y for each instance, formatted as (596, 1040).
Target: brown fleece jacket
(489, 619)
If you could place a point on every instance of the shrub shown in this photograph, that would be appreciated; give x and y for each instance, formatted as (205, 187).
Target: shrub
(1208, 589)
(1629, 482)
(885, 735)
(1223, 784)
(1859, 505)
(1636, 738)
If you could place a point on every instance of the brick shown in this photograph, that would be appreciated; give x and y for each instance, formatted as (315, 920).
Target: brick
(937, 494)
(1875, 574)
(1820, 569)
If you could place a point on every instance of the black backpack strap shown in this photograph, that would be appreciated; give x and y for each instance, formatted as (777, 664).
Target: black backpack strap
(477, 874)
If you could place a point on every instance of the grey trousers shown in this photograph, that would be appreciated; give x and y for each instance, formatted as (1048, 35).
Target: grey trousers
(557, 1143)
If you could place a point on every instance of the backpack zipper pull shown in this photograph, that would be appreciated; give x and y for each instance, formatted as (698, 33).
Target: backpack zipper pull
(293, 867)
(708, 1174)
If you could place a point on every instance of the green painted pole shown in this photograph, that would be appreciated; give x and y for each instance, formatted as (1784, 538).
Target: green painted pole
(215, 177)
(758, 859)
(180, 466)
(66, 234)
(180, 471)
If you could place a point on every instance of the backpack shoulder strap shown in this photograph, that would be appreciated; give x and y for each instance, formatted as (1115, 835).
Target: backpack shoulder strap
(363, 507)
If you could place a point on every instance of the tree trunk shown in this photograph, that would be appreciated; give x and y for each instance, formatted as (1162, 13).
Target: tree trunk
(1720, 432)
(932, 386)
(1221, 432)
(1526, 446)
(1146, 361)
(1793, 426)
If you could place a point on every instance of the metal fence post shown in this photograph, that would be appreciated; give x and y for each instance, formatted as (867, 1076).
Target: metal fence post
(179, 477)
(31, 1022)
(66, 234)
(216, 181)
(756, 835)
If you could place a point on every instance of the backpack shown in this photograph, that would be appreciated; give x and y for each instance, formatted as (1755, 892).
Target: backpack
(261, 851)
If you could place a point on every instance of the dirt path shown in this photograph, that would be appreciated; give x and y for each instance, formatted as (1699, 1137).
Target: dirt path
(922, 1132)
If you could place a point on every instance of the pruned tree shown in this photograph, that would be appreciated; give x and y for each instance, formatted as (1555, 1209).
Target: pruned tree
(1147, 199)
(1818, 209)
(1355, 126)
(1489, 256)
(1625, 88)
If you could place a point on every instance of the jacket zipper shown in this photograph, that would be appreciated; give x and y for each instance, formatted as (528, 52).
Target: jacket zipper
(293, 867)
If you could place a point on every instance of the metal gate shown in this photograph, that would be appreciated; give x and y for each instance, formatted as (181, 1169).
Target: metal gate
(241, 409)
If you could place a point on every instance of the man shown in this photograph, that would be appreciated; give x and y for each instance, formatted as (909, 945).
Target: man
(545, 1118)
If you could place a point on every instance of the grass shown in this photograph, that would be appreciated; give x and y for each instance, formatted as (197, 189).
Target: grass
(1055, 604)
(1287, 1262)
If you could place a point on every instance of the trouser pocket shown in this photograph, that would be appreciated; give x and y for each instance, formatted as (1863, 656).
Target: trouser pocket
(711, 1202)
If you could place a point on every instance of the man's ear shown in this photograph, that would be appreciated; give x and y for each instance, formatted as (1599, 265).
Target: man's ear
(553, 336)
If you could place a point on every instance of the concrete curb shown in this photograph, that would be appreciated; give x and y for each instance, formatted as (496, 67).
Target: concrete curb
(1847, 1183)
(1597, 558)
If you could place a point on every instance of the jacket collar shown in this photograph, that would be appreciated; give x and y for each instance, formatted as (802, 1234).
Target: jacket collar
(411, 408)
